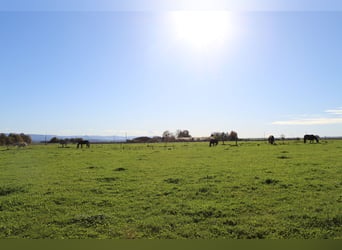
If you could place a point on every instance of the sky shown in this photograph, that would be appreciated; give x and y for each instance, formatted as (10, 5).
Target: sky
(138, 70)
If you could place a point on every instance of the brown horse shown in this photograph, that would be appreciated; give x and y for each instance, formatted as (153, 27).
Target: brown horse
(83, 143)
(311, 138)
(271, 139)
(213, 142)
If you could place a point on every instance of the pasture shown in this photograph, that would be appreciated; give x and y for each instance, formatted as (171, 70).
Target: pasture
(173, 191)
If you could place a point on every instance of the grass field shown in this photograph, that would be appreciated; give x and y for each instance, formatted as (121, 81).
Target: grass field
(178, 191)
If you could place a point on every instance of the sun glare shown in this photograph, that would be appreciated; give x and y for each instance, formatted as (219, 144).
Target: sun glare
(202, 29)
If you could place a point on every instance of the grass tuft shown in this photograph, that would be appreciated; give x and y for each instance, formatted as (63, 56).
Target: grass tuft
(173, 180)
(7, 190)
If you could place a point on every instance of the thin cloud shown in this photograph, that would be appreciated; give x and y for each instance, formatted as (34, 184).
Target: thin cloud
(334, 111)
(337, 119)
(318, 121)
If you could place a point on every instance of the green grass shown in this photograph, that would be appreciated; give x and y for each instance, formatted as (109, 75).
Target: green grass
(181, 191)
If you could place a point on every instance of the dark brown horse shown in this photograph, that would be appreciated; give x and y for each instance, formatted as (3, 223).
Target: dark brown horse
(213, 142)
(311, 138)
(271, 139)
(83, 143)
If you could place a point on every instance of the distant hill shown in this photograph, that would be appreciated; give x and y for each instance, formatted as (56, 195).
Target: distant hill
(96, 138)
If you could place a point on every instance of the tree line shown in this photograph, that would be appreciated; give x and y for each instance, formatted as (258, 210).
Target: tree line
(6, 140)
(184, 135)
(167, 136)
(222, 136)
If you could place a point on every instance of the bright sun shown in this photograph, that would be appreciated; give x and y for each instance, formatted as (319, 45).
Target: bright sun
(202, 29)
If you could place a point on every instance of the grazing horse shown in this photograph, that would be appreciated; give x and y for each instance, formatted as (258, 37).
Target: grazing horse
(82, 143)
(271, 139)
(311, 138)
(213, 142)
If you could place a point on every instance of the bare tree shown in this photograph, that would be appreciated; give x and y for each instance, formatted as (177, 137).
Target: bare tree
(282, 137)
(233, 136)
(182, 133)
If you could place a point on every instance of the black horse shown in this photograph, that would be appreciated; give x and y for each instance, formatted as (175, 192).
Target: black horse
(311, 138)
(213, 142)
(271, 139)
(83, 143)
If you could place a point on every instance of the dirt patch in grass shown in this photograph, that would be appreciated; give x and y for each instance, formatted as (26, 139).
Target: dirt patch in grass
(283, 157)
(93, 167)
(208, 177)
(107, 179)
(270, 181)
(173, 180)
(203, 190)
(120, 169)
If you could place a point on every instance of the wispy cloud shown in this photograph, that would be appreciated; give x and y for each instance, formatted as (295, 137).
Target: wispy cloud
(334, 111)
(318, 121)
(321, 120)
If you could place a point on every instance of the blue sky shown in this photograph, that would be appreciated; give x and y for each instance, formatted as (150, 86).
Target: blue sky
(135, 72)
